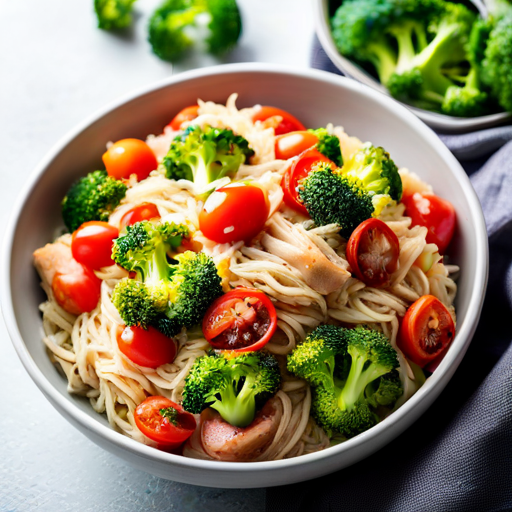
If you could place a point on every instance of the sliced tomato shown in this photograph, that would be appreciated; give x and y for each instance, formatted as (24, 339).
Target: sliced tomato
(372, 253)
(287, 124)
(243, 320)
(164, 421)
(91, 244)
(235, 212)
(426, 331)
(146, 347)
(297, 172)
(143, 211)
(78, 291)
(435, 213)
(187, 114)
(293, 144)
(129, 156)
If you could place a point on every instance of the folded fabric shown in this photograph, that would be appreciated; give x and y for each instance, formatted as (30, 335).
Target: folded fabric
(458, 455)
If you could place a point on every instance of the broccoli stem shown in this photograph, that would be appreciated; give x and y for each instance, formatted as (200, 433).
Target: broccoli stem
(238, 409)
(382, 56)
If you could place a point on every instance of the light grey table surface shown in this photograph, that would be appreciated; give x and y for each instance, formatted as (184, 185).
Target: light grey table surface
(56, 69)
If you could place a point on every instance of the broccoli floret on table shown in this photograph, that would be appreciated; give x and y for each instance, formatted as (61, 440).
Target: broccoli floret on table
(164, 295)
(92, 197)
(235, 386)
(205, 155)
(178, 25)
(366, 183)
(113, 14)
(350, 372)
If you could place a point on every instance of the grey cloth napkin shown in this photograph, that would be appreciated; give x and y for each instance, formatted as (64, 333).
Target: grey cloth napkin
(458, 455)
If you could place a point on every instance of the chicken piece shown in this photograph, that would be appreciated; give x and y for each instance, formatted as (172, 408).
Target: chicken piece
(223, 441)
(55, 259)
(323, 270)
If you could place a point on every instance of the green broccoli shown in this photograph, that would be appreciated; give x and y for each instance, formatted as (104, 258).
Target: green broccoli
(205, 155)
(467, 101)
(113, 14)
(343, 367)
(364, 185)
(166, 296)
(92, 197)
(233, 385)
(178, 25)
(383, 32)
(328, 145)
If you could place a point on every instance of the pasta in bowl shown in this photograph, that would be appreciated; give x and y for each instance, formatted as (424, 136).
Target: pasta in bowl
(332, 287)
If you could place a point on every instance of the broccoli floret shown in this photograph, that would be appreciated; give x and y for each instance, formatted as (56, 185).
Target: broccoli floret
(164, 295)
(113, 14)
(178, 25)
(467, 101)
(384, 391)
(342, 365)
(328, 145)
(383, 32)
(205, 155)
(364, 185)
(425, 76)
(233, 385)
(92, 197)
(496, 68)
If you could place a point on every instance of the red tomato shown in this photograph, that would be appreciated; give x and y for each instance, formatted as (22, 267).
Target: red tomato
(92, 242)
(426, 330)
(78, 291)
(235, 212)
(187, 114)
(293, 144)
(164, 421)
(437, 214)
(372, 252)
(129, 156)
(242, 320)
(149, 348)
(143, 211)
(298, 171)
(288, 123)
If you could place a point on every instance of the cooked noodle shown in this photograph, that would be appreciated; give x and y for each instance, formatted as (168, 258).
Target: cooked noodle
(85, 347)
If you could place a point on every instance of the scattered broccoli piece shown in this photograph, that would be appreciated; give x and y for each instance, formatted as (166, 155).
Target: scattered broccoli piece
(328, 145)
(365, 184)
(205, 155)
(113, 14)
(178, 25)
(496, 67)
(166, 296)
(233, 385)
(342, 366)
(92, 197)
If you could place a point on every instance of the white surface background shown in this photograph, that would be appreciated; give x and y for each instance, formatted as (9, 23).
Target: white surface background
(56, 68)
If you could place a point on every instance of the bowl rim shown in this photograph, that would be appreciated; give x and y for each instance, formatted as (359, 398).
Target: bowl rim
(351, 69)
(431, 388)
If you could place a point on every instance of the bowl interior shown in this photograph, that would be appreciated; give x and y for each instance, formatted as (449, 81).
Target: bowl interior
(324, 9)
(316, 98)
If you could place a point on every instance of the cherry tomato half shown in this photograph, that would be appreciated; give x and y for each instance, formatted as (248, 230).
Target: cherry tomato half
(235, 212)
(288, 123)
(187, 114)
(143, 211)
(146, 347)
(372, 252)
(78, 291)
(164, 421)
(91, 244)
(127, 157)
(242, 320)
(293, 144)
(437, 214)
(426, 331)
(298, 171)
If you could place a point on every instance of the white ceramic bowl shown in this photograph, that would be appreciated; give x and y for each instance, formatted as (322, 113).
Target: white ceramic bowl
(437, 121)
(316, 98)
